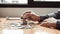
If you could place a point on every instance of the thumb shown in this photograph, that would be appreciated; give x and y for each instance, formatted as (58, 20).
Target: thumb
(41, 24)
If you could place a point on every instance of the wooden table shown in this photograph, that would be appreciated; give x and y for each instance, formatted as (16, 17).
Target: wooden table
(32, 30)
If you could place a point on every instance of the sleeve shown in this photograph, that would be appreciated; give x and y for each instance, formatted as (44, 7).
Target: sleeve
(58, 25)
(54, 15)
(43, 17)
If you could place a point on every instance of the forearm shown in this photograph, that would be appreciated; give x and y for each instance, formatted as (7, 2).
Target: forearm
(54, 15)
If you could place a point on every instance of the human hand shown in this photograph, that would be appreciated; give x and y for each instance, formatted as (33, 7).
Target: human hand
(50, 22)
(31, 16)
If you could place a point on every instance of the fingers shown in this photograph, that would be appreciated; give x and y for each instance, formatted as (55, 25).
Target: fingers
(31, 16)
(26, 15)
(45, 24)
(51, 20)
(27, 12)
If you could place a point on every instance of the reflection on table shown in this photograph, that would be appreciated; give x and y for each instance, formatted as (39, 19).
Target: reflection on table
(36, 30)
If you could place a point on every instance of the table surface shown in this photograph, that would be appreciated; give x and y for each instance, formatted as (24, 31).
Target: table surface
(38, 28)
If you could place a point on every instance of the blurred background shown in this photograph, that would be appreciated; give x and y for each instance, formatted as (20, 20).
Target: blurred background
(13, 1)
(19, 11)
(46, 0)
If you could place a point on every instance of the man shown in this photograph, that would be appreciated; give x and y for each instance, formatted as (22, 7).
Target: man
(51, 20)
